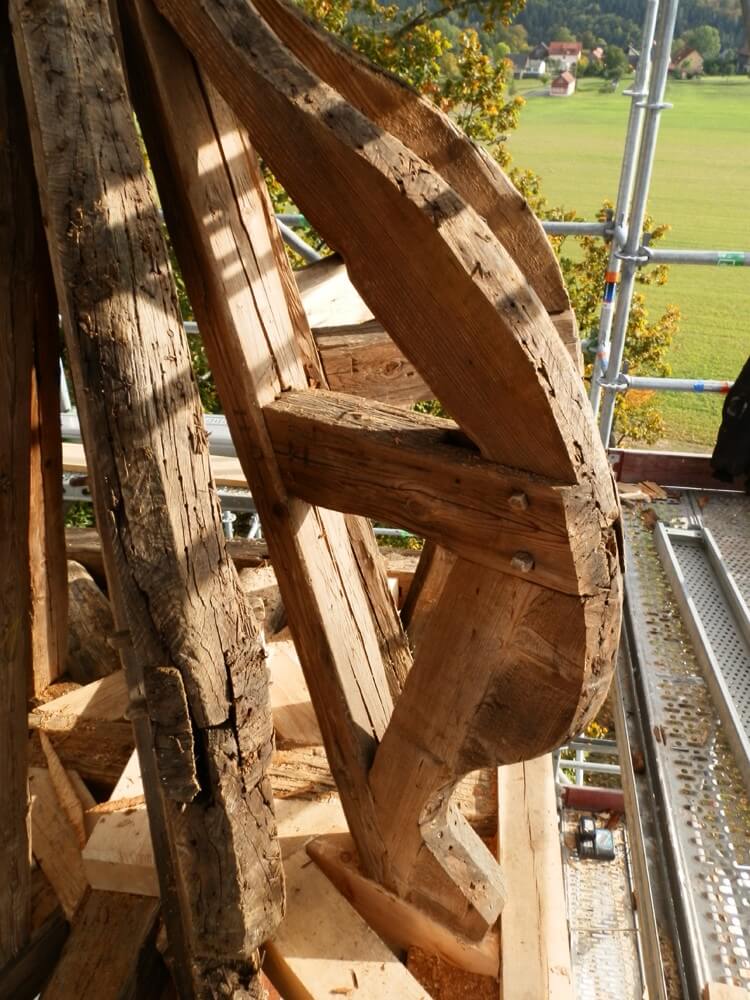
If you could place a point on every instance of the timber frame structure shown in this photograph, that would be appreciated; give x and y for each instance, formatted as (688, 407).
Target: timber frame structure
(506, 642)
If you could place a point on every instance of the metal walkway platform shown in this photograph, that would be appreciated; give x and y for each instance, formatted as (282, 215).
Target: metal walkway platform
(690, 803)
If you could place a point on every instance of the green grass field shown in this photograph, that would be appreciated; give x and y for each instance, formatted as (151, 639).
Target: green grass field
(701, 188)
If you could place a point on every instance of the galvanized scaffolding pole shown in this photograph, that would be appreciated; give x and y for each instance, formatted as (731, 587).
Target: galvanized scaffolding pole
(630, 160)
(630, 255)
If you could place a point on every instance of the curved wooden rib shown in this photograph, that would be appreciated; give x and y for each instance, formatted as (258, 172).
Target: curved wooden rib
(506, 669)
(430, 133)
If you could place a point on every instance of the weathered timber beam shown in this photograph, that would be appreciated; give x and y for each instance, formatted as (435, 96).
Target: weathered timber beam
(193, 660)
(84, 546)
(430, 576)
(424, 261)
(452, 298)
(419, 472)
(49, 579)
(24, 977)
(364, 361)
(345, 626)
(18, 231)
(429, 133)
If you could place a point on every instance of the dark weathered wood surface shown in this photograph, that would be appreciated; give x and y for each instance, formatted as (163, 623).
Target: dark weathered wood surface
(49, 583)
(188, 643)
(341, 614)
(17, 289)
(430, 577)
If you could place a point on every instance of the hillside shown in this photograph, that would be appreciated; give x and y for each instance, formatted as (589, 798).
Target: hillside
(618, 22)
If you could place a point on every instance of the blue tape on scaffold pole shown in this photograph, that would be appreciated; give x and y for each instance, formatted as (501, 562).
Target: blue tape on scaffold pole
(699, 386)
(609, 291)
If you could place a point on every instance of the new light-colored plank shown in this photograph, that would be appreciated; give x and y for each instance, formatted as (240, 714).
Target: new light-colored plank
(187, 639)
(55, 844)
(293, 714)
(396, 921)
(720, 991)
(323, 947)
(535, 952)
(333, 585)
(66, 792)
(105, 700)
(119, 856)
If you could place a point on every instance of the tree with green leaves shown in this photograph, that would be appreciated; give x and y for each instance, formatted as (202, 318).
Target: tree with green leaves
(705, 39)
(616, 63)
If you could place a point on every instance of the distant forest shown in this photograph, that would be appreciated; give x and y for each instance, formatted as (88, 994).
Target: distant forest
(618, 22)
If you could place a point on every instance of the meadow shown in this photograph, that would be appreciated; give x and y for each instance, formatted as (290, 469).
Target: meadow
(700, 187)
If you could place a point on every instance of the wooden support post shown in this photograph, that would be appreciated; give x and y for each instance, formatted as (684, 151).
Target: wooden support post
(18, 231)
(49, 576)
(341, 614)
(194, 665)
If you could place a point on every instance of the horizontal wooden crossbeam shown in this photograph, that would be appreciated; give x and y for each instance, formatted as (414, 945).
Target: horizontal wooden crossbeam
(420, 472)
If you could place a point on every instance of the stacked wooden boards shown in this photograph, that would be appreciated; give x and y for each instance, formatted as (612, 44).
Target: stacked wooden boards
(341, 929)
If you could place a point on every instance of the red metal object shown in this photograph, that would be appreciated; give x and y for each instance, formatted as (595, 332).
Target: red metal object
(595, 799)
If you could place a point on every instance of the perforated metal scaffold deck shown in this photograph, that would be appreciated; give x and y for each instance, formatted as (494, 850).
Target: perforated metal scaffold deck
(702, 808)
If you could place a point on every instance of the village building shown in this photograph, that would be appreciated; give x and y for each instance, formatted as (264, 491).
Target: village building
(563, 85)
(564, 56)
(687, 63)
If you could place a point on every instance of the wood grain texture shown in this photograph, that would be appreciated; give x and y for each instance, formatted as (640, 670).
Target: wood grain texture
(418, 472)
(104, 953)
(415, 225)
(356, 353)
(17, 328)
(431, 135)
(84, 545)
(430, 577)
(364, 361)
(55, 844)
(334, 589)
(189, 644)
(49, 585)
(400, 924)
(535, 951)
